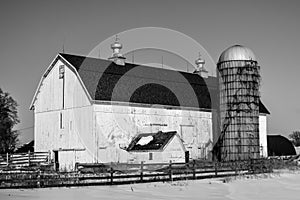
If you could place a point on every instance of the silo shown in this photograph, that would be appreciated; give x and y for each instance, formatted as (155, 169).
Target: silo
(239, 79)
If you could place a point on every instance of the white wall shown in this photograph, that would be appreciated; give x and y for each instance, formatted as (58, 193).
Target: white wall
(76, 116)
(263, 135)
(116, 125)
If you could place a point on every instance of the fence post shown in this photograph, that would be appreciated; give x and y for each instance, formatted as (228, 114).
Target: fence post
(29, 158)
(38, 184)
(216, 168)
(111, 175)
(170, 170)
(142, 168)
(261, 166)
(194, 170)
(49, 157)
(186, 171)
(76, 167)
(7, 159)
(235, 167)
(271, 165)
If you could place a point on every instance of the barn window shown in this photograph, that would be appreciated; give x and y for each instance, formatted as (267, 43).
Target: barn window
(61, 121)
(150, 156)
(61, 71)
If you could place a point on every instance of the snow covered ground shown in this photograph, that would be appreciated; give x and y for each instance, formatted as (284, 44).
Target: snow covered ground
(284, 185)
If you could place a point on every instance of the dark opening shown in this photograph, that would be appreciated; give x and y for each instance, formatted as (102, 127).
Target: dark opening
(56, 162)
(187, 156)
(61, 121)
(150, 156)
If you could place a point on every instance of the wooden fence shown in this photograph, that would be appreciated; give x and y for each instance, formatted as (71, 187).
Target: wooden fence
(132, 173)
(24, 159)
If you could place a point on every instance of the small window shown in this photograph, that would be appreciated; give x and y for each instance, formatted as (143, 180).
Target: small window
(61, 121)
(61, 71)
(150, 156)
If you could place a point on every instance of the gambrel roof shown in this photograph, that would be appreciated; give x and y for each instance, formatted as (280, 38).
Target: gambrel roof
(106, 81)
(140, 84)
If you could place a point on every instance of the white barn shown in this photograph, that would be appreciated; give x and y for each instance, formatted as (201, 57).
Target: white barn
(88, 110)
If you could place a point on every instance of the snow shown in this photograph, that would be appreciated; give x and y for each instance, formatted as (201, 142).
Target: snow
(275, 186)
(145, 140)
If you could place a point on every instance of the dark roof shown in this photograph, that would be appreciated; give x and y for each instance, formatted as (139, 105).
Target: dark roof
(262, 108)
(26, 147)
(160, 140)
(104, 80)
(280, 146)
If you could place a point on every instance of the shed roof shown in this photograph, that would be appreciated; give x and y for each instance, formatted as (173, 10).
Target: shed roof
(279, 145)
(159, 141)
(107, 81)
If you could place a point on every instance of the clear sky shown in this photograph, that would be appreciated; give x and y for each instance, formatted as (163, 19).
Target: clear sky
(32, 33)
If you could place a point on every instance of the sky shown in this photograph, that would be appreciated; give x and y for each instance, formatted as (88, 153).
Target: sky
(32, 33)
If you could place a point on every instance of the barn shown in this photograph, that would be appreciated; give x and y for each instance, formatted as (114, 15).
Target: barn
(89, 110)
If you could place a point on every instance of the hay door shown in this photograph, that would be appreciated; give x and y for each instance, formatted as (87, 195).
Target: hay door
(189, 137)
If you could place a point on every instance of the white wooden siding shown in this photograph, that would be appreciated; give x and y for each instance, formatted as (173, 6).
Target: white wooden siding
(77, 115)
(263, 135)
(116, 125)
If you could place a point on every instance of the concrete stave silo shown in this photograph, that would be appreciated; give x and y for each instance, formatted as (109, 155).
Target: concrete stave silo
(239, 79)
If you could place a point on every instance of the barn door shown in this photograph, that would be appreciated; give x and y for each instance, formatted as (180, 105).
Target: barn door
(56, 162)
(186, 134)
(189, 137)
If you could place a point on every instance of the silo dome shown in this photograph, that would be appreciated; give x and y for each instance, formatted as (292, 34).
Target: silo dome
(237, 52)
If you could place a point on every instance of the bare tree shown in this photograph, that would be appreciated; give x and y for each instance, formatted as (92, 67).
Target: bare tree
(8, 119)
(295, 138)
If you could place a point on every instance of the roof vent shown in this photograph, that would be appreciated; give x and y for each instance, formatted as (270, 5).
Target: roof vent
(200, 69)
(117, 57)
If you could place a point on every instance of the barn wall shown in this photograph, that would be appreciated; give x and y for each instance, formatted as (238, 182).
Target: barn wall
(68, 159)
(138, 157)
(174, 151)
(62, 124)
(263, 135)
(51, 95)
(116, 125)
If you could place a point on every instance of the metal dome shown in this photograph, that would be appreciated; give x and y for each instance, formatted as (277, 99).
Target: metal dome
(116, 45)
(199, 61)
(237, 52)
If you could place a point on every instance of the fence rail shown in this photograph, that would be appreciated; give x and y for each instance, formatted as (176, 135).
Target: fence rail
(118, 173)
(113, 173)
(24, 159)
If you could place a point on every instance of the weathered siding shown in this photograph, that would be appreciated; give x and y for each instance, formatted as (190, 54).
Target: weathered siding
(68, 159)
(174, 151)
(116, 125)
(263, 135)
(63, 122)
